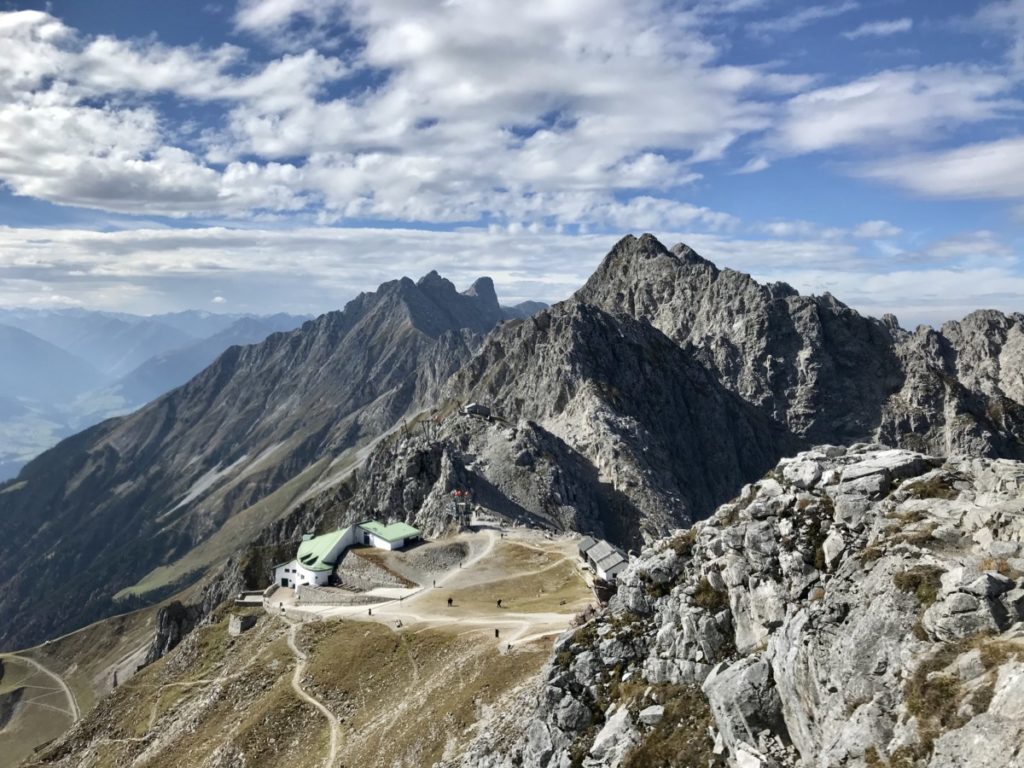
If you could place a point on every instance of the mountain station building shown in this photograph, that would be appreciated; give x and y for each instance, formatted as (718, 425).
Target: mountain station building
(606, 560)
(318, 556)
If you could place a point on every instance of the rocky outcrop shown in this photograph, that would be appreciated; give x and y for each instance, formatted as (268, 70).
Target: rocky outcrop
(858, 607)
(173, 622)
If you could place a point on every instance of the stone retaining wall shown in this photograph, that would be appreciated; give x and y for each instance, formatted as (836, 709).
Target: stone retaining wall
(332, 596)
(360, 574)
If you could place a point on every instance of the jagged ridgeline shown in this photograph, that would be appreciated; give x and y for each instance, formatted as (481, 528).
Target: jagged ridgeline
(635, 407)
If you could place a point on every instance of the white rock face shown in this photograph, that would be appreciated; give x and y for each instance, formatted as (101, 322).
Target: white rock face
(853, 621)
(652, 715)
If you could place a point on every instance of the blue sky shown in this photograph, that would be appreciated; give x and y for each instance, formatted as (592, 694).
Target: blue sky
(285, 154)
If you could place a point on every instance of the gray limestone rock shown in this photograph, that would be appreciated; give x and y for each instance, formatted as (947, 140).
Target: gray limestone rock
(744, 701)
(652, 715)
(800, 667)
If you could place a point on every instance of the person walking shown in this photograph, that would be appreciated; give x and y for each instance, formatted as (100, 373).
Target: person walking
(496, 633)
(499, 602)
(449, 602)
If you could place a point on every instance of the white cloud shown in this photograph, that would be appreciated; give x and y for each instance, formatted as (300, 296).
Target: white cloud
(611, 100)
(984, 170)
(894, 105)
(218, 300)
(790, 229)
(800, 19)
(606, 96)
(808, 230)
(755, 165)
(1005, 18)
(880, 28)
(876, 229)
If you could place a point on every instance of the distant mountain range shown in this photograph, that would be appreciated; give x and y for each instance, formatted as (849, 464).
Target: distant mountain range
(68, 369)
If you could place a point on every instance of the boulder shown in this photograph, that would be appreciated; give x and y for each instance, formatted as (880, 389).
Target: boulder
(652, 715)
(615, 739)
(833, 548)
(744, 701)
(989, 584)
(802, 474)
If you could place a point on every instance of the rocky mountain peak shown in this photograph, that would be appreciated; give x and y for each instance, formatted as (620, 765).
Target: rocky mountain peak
(628, 254)
(434, 306)
(688, 255)
(482, 288)
(434, 282)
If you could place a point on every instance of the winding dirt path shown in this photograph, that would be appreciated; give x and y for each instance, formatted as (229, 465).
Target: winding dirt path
(73, 710)
(300, 668)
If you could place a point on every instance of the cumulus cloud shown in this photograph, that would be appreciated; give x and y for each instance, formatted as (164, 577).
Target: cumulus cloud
(1005, 18)
(606, 95)
(802, 229)
(876, 229)
(70, 134)
(755, 165)
(614, 115)
(610, 100)
(880, 28)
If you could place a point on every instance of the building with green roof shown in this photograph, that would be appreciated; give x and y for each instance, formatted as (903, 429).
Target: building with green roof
(394, 536)
(318, 556)
(321, 553)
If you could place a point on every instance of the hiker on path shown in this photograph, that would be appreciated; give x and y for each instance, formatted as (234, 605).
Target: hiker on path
(449, 602)
(499, 602)
(496, 633)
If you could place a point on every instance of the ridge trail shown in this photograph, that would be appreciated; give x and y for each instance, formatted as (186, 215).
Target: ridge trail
(300, 668)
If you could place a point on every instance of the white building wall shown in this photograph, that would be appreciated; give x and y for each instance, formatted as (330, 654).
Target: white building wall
(284, 575)
(380, 543)
(366, 538)
(346, 541)
(612, 573)
(312, 578)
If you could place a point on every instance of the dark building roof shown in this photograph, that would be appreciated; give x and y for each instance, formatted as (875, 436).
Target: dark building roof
(585, 544)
